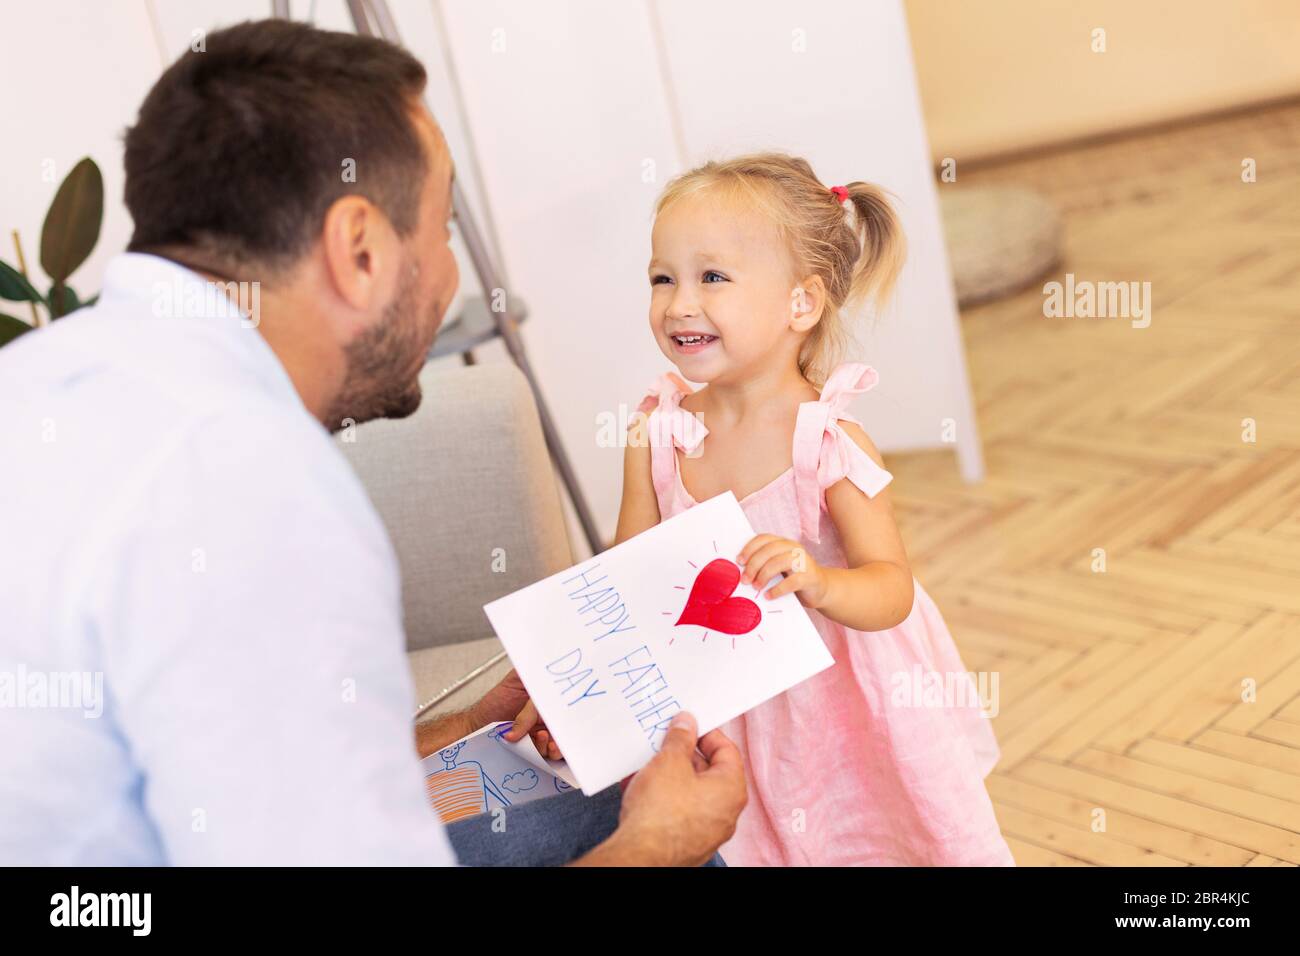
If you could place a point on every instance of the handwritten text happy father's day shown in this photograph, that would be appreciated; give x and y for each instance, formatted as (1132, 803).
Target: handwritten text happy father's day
(590, 671)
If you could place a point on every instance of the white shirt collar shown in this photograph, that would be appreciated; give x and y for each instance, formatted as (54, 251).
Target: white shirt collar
(138, 284)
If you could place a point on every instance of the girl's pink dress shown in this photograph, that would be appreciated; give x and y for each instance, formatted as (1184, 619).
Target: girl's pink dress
(857, 765)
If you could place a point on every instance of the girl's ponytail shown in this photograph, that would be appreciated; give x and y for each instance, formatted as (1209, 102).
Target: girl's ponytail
(883, 247)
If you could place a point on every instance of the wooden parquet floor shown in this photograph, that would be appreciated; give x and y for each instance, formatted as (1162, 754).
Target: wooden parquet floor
(1148, 713)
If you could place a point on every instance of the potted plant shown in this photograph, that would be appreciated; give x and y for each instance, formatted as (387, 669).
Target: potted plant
(68, 235)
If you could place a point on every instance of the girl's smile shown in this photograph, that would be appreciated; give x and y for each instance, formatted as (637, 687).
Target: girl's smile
(688, 343)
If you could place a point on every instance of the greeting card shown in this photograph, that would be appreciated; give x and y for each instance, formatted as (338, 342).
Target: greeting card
(613, 647)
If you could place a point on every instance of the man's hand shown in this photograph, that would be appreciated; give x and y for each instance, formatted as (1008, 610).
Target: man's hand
(682, 806)
(502, 702)
(529, 721)
(509, 700)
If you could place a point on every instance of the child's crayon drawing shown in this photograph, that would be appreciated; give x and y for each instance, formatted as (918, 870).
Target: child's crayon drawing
(461, 788)
(483, 772)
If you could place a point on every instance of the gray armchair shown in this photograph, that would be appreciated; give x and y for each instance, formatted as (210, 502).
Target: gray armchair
(469, 497)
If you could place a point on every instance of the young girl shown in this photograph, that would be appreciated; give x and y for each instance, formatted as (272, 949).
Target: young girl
(752, 261)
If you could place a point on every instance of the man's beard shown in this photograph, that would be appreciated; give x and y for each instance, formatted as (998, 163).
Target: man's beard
(376, 384)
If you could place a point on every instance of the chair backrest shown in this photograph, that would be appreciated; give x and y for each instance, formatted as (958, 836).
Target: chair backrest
(469, 497)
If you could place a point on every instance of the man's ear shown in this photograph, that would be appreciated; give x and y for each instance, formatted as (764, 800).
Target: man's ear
(361, 252)
(807, 301)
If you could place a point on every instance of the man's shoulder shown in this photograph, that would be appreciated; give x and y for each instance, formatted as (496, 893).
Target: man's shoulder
(106, 426)
(262, 499)
(106, 391)
(257, 458)
(100, 359)
(253, 451)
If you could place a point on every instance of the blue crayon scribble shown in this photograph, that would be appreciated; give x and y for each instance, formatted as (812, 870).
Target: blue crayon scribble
(519, 782)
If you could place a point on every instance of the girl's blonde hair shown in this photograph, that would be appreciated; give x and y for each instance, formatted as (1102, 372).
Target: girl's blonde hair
(857, 258)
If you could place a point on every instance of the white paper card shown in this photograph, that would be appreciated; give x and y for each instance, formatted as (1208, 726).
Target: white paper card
(615, 646)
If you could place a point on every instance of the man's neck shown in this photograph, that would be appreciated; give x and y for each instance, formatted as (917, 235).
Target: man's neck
(312, 363)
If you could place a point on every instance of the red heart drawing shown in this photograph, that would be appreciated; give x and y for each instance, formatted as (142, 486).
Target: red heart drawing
(711, 604)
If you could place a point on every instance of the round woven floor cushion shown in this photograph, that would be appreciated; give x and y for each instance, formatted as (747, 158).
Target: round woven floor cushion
(999, 240)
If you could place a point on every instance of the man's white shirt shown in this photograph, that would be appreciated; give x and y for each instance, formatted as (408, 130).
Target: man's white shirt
(176, 525)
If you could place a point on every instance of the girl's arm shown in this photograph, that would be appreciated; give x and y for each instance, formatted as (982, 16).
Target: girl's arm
(640, 509)
(875, 592)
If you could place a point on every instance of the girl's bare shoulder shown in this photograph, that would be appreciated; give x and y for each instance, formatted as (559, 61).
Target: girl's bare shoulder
(862, 440)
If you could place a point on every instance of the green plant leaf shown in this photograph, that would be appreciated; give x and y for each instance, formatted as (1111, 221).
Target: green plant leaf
(72, 225)
(62, 300)
(11, 328)
(14, 287)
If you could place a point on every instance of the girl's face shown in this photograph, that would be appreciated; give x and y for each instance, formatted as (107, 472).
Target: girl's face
(721, 289)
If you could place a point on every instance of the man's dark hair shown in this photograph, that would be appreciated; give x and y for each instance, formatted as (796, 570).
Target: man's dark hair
(240, 150)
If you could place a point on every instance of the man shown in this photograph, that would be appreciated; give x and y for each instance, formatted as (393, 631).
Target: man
(201, 616)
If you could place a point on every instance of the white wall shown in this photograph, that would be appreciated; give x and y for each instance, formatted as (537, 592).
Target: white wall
(1009, 75)
(564, 103)
(73, 75)
(86, 66)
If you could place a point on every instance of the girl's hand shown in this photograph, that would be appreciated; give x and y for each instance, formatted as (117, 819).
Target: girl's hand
(767, 556)
(529, 721)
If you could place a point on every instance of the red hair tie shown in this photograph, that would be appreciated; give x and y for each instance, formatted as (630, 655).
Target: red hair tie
(840, 193)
